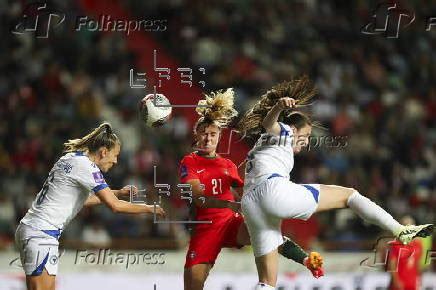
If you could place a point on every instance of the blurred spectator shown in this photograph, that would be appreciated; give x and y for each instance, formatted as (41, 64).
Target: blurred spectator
(96, 236)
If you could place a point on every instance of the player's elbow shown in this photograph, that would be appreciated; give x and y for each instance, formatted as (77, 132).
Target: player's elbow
(115, 209)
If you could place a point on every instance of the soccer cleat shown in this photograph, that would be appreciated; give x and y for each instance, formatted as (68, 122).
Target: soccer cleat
(314, 264)
(409, 232)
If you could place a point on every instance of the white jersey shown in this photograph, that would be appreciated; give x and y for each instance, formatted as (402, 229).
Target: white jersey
(73, 178)
(271, 154)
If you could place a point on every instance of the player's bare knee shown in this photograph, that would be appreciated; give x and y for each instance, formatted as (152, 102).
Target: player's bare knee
(350, 193)
(347, 192)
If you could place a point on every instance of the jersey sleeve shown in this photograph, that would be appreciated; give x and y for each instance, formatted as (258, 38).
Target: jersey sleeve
(285, 129)
(187, 169)
(90, 177)
(234, 175)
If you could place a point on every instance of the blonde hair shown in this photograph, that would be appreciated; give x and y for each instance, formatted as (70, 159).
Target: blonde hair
(216, 109)
(102, 136)
(300, 89)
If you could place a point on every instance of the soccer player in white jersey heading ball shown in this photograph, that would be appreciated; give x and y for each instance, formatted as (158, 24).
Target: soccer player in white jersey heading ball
(269, 195)
(76, 180)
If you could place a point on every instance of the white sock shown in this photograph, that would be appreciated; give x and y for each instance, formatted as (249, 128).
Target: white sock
(263, 286)
(372, 213)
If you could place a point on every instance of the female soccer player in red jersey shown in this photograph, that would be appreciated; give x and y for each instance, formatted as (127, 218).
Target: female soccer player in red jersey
(212, 179)
(404, 262)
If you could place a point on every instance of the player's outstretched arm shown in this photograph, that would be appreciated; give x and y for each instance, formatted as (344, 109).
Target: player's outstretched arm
(203, 201)
(270, 121)
(125, 191)
(107, 197)
(94, 200)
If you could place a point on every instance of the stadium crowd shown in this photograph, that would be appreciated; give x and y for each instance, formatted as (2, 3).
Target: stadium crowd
(377, 93)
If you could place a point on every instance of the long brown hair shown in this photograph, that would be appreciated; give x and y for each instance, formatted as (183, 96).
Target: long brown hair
(300, 89)
(102, 136)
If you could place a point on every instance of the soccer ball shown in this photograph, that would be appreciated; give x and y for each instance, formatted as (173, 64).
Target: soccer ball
(155, 115)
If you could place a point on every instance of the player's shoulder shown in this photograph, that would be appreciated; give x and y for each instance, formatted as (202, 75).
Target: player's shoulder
(228, 162)
(189, 158)
(79, 160)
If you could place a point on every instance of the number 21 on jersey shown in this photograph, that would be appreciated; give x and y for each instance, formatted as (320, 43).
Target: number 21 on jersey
(217, 186)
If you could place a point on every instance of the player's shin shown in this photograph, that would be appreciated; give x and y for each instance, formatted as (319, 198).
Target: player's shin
(293, 251)
(372, 213)
(289, 249)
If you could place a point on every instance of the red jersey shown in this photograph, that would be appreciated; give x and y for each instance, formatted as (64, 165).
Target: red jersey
(217, 175)
(407, 257)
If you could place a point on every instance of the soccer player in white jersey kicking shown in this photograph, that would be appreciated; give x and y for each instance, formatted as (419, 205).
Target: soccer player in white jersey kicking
(269, 195)
(75, 180)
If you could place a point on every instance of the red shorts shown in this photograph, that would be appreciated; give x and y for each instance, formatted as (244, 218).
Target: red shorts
(208, 240)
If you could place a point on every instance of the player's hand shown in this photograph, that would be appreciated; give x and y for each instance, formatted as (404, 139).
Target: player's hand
(286, 103)
(156, 208)
(126, 190)
(235, 206)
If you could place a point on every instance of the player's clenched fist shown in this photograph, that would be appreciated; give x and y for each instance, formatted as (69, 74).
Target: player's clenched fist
(285, 103)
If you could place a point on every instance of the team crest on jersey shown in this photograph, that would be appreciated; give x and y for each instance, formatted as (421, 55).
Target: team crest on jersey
(98, 177)
(192, 254)
(65, 166)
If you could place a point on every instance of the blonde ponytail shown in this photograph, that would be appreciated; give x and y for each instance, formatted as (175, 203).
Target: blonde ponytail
(102, 136)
